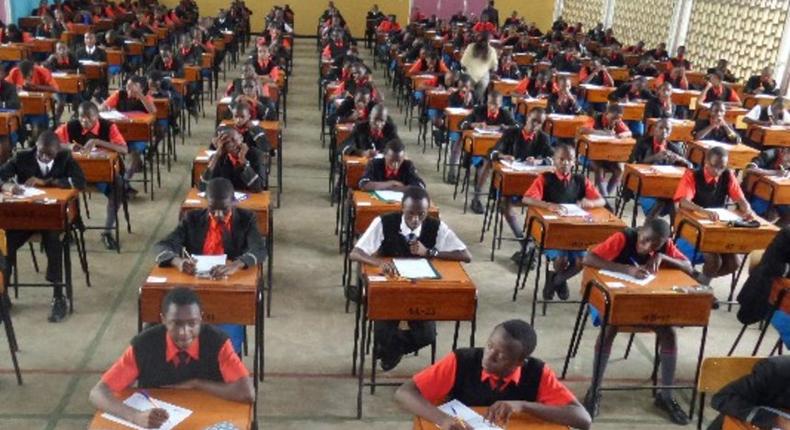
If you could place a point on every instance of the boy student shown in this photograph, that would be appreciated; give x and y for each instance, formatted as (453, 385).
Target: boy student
(63, 61)
(716, 90)
(235, 161)
(639, 252)
(770, 162)
(46, 165)
(254, 136)
(529, 145)
(89, 132)
(610, 123)
(504, 376)
(407, 233)
(563, 101)
(391, 172)
(182, 352)
(368, 137)
(715, 127)
(549, 191)
(703, 189)
(773, 114)
(764, 83)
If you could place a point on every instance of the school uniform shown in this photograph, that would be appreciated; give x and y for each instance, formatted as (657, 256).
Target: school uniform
(377, 171)
(718, 134)
(120, 101)
(480, 114)
(460, 375)
(655, 108)
(678, 82)
(40, 76)
(8, 96)
(253, 136)
(756, 83)
(362, 138)
(248, 174)
(615, 60)
(645, 70)
(679, 61)
(346, 108)
(388, 236)
(173, 68)
(646, 147)
(769, 159)
(568, 107)
(767, 114)
(727, 75)
(98, 87)
(64, 172)
(721, 93)
(564, 63)
(522, 145)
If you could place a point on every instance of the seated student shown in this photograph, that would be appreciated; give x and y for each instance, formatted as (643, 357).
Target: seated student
(659, 53)
(27, 76)
(529, 145)
(493, 114)
(723, 70)
(219, 229)
(46, 165)
(679, 60)
(247, 72)
(189, 53)
(645, 67)
(703, 189)
(9, 99)
(770, 162)
(98, 88)
(182, 352)
(568, 61)
(609, 123)
(549, 191)
(430, 63)
(253, 135)
(615, 57)
(634, 90)
(261, 108)
(132, 98)
(391, 172)
(353, 109)
(715, 127)
(764, 83)
(508, 68)
(661, 105)
(676, 77)
(773, 114)
(408, 233)
(715, 90)
(236, 161)
(639, 252)
(745, 398)
(266, 69)
(87, 133)
(503, 376)
(563, 101)
(159, 89)
(63, 61)
(369, 137)
(539, 85)
(596, 74)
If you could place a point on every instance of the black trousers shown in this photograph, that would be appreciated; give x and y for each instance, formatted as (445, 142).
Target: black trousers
(53, 247)
(392, 341)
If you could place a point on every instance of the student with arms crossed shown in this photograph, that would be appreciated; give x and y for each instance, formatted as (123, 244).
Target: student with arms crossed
(392, 172)
(180, 353)
(549, 191)
(502, 376)
(408, 233)
(638, 253)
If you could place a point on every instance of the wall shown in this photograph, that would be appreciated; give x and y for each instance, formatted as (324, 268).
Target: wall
(539, 11)
(20, 8)
(631, 24)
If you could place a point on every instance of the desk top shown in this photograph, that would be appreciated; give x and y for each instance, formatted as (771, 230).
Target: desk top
(739, 154)
(721, 238)
(731, 423)
(207, 410)
(517, 422)
(572, 233)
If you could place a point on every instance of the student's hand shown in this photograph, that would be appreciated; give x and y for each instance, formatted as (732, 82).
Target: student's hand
(586, 204)
(417, 248)
(452, 423)
(500, 412)
(503, 157)
(388, 269)
(531, 161)
(90, 145)
(221, 271)
(243, 150)
(638, 272)
(370, 153)
(151, 419)
(654, 263)
(556, 208)
(12, 188)
(185, 265)
(748, 215)
(712, 215)
(35, 182)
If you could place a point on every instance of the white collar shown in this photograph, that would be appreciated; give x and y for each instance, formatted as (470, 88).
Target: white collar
(44, 167)
(406, 231)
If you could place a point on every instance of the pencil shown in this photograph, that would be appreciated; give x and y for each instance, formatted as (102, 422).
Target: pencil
(149, 398)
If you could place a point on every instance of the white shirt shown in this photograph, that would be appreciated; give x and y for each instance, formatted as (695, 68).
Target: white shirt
(370, 242)
(90, 50)
(44, 168)
(754, 114)
(476, 67)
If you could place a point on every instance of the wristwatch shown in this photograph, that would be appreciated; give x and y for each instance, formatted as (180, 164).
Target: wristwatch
(433, 252)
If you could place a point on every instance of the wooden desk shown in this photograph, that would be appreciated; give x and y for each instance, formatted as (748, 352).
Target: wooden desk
(98, 166)
(207, 410)
(619, 74)
(93, 69)
(566, 126)
(517, 422)
(524, 58)
(35, 103)
(342, 132)
(605, 148)
(136, 126)
(681, 129)
(10, 122)
(29, 23)
(718, 237)
(524, 104)
(776, 135)
(574, 77)
(69, 83)
(42, 45)
(437, 99)
(478, 144)
(696, 78)
(454, 116)
(353, 170)
(739, 155)
(687, 98)
(115, 57)
(633, 111)
(731, 423)
(752, 100)
(645, 181)
(774, 189)
(596, 93)
(423, 81)
(505, 87)
(14, 52)
(199, 165)
(259, 203)
(733, 115)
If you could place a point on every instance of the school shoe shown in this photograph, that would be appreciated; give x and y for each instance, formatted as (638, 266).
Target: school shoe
(109, 241)
(592, 403)
(549, 288)
(59, 310)
(562, 290)
(477, 207)
(390, 361)
(676, 414)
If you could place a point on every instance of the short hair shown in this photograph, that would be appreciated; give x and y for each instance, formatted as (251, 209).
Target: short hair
(718, 74)
(659, 227)
(395, 145)
(521, 332)
(48, 138)
(717, 151)
(181, 296)
(361, 91)
(140, 80)
(415, 193)
(219, 189)
(614, 109)
(564, 147)
(494, 95)
(89, 107)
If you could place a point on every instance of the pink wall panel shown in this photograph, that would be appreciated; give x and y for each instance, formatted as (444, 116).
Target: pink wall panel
(446, 8)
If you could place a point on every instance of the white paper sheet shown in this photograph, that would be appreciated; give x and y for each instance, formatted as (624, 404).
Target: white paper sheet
(389, 196)
(31, 192)
(456, 111)
(520, 166)
(204, 263)
(555, 116)
(237, 195)
(725, 215)
(59, 74)
(459, 410)
(711, 143)
(225, 100)
(600, 138)
(176, 414)
(207, 154)
(573, 210)
(628, 278)
(667, 169)
(414, 268)
(112, 114)
(486, 131)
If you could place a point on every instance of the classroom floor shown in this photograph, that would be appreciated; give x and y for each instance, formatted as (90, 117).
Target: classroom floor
(309, 336)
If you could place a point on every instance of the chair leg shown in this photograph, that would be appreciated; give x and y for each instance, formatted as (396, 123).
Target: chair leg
(628, 348)
(33, 256)
(13, 347)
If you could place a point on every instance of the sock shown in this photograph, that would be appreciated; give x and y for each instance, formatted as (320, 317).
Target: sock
(667, 372)
(515, 227)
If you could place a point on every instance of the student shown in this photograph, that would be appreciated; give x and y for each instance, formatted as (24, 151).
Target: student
(391, 172)
(638, 253)
(659, 53)
(773, 114)
(611, 124)
(568, 61)
(261, 108)
(563, 101)
(722, 69)
(770, 162)
(254, 136)
(9, 100)
(219, 229)
(63, 61)
(596, 74)
(353, 109)
(661, 105)
(28, 76)
(676, 77)
(503, 376)
(98, 88)
(645, 67)
(549, 191)
(235, 161)
(715, 127)
(407, 233)
(46, 165)
(766, 386)
(266, 68)
(540, 85)
(679, 60)
(764, 83)
(368, 138)
(529, 145)
(181, 353)
(715, 90)
(85, 134)
(703, 189)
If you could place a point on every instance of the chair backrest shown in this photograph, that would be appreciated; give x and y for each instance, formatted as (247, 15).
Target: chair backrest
(717, 372)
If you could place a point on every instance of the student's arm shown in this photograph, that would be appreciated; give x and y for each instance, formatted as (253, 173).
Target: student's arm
(603, 255)
(368, 244)
(103, 399)
(241, 391)
(169, 249)
(410, 398)
(366, 183)
(572, 415)
(148, 103)
(739, 398)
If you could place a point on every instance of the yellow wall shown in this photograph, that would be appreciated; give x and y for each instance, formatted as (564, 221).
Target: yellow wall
(307, 11)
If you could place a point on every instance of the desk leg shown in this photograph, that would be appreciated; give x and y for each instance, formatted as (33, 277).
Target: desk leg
(734, 283)
(699, 366)
(597, 379)
(361, 369)
(539, 250)
(357, 314)
(269, 267)
(67, 269)
(474, 328)
(576, 327)
(279, 172)
(260, 331)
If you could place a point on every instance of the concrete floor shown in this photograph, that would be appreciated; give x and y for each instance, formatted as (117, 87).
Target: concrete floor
(309, 337)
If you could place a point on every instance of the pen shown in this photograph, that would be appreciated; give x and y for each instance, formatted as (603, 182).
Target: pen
(149, 398)
(186, 253)
(634, 262)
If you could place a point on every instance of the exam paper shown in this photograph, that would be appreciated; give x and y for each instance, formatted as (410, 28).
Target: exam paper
(573, 210)
(389, 196)
(237, 195)
(628, 278)
(725, 215)
(711, 143)
(225, 100)
(561, 116)
(414, 268)
(667, 169)
(459, 410)
(137, 401)
(520, 166)
(31, 192)
(204, 263)
(112, 114)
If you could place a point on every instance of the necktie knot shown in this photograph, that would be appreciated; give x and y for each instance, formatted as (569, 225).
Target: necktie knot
(183, 358)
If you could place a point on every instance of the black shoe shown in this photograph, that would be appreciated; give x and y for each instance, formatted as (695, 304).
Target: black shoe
(59, 310)
(7, 301)
(516, 258)
(715, 304)
(549, 288)
(562, 290)
(676, 414)
(131, 192)
(451, 177)
(592, 403)
(109, 241)
(477, 207)
(390, 361)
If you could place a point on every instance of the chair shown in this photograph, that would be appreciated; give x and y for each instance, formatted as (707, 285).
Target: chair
(716, 372)
(5, 314)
